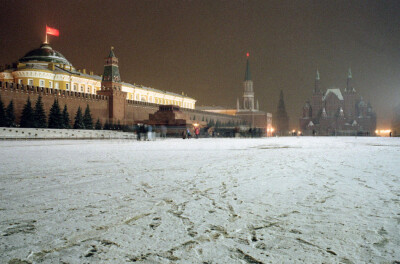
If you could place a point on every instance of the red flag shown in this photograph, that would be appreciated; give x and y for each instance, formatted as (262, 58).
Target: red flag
(52, 31)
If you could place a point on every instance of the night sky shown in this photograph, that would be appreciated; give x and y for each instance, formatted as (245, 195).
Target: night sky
(199, 47)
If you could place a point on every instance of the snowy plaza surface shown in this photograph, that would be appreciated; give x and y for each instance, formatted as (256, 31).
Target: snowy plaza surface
(268, 200)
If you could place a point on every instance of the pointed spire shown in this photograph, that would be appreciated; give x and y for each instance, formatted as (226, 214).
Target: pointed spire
(324, 113)
(341, 113)
(349, 84)
(111, 70)
(316, 87)
(247, 76)
(111, 54)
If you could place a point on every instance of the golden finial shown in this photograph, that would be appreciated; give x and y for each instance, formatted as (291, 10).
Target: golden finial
(112, 48)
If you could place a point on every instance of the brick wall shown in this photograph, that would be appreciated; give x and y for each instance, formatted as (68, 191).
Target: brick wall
(19, 94)
(127, 111)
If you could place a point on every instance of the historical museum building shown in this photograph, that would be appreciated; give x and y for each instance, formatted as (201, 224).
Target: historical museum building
(47, 73)
(334, 112)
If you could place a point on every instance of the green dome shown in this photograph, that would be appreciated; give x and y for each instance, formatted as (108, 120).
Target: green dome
(45, 53)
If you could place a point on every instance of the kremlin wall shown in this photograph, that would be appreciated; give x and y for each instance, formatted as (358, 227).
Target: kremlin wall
(48, 73)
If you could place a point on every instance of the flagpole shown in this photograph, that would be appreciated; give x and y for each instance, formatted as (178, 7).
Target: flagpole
(45, 42)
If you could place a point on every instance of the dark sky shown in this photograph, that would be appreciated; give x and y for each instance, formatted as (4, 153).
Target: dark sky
(199, 47)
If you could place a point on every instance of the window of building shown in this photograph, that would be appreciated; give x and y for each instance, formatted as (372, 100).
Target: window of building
(82, 88)
(56, 85)
(89, 88)
(19, 81)
(41, 83)
(30, 82)
(75, 87)
(67, 86)
(50, 84)
(137, 97)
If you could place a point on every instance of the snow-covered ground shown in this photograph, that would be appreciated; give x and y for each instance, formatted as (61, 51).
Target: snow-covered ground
(269, 200)
(48, 133)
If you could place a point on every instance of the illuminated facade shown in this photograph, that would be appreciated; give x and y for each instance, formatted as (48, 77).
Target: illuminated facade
(45, 67)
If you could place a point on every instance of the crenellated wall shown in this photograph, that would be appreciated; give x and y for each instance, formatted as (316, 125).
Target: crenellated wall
(133, 111)
(19, 94)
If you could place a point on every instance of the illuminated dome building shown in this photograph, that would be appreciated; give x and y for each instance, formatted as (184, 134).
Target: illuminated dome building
(48, 68)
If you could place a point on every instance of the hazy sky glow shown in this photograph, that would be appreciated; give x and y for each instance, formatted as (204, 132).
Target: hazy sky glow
(200, 47)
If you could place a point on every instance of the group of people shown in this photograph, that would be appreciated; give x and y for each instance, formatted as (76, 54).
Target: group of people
(148, 132)
(187, 134)
(144, 132)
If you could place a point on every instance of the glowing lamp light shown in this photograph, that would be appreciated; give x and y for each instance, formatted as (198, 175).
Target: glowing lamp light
(272, 129)
(248, 54)
(383, 131)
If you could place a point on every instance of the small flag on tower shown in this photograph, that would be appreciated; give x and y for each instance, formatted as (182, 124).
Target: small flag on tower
(52, 31)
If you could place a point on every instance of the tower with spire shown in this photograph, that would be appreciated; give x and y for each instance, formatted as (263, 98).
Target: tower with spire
(111, 77)
(111, 86)
(316, 100)
(281, 118)
(349, 97)
(248, 94)
(250, 110)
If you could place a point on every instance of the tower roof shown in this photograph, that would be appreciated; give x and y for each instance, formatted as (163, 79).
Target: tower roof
(111, 54)
(111, 70)
(335, 91)
(247, 76)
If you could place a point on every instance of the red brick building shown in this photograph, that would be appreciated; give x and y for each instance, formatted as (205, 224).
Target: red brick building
(334, 112)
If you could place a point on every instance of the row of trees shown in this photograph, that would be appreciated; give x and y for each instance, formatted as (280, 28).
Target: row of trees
(36, 117)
